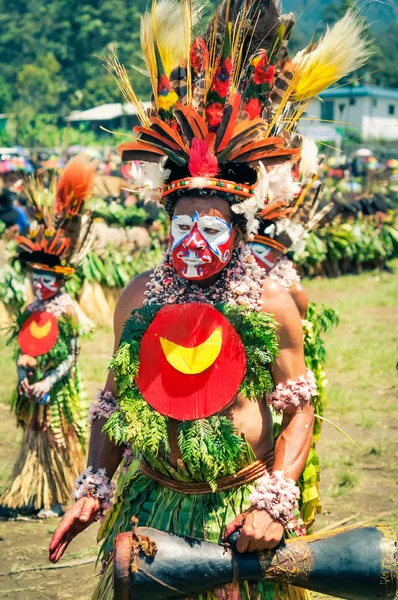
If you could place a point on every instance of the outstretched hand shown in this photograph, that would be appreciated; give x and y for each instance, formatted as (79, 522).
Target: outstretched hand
(75, 520)
(258, 531)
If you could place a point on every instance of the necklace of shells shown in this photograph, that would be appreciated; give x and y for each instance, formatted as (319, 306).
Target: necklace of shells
(240, 283)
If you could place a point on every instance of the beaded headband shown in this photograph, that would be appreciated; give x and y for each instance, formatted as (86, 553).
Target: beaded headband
(58, 269)
(222, 185)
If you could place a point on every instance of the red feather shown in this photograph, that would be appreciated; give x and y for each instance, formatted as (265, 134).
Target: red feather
(202, 162)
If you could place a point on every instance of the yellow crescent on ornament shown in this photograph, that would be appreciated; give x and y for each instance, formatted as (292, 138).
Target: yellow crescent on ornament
(40, 332)
(192, 361)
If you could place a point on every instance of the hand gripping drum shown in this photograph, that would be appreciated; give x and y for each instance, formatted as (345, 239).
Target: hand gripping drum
(357, 563)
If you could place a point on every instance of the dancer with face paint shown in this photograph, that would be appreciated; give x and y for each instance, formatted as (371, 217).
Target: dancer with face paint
(51, 403)
(205, 343)
(282, 232)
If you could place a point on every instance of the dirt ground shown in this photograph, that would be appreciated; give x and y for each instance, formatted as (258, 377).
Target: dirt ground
(358, 486)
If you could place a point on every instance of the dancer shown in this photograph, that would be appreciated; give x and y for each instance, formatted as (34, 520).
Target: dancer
(202, 340)
(50, 403)
(283, 232)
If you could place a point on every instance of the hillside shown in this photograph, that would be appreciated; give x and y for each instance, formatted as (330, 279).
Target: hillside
(50, 52)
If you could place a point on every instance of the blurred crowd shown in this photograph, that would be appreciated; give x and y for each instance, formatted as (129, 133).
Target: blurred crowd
(358, 185)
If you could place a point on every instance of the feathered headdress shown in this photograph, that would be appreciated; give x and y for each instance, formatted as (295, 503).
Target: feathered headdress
(227, 102)
(287, 227)
(60, 236)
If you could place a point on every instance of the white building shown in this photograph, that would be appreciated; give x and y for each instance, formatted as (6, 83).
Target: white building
(369, 109)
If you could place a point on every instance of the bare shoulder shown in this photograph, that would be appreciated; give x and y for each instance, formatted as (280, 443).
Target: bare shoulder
(278, 302)
(300, 297)
(131, 298)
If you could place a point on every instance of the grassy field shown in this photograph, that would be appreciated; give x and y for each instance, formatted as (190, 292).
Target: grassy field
(358, 485)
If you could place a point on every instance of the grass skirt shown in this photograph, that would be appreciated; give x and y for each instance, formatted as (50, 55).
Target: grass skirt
(203, 516)
(52, 448)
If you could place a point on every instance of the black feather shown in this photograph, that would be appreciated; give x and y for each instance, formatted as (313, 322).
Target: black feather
(262, 24)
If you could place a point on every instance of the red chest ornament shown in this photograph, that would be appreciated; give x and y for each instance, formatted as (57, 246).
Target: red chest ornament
(38, 334)
(192, 362)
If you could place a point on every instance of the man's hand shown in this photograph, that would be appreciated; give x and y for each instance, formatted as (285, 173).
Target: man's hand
(24, 387)
(74, 521)
(38, 390)
(258, 531)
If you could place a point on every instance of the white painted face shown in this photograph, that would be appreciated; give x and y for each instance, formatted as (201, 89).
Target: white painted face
(200, 246)
(45, 285)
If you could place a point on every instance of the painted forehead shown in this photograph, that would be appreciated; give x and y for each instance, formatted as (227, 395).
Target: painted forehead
(204, 220)
(42, 274)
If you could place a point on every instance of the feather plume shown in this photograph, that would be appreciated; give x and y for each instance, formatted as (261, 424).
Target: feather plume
(252, 207)
(74, 186)
(61, 230)
(191, 123)
(309, 162)
(148, 180)
(202, 161)
(167, 21)
(261, 17)
(341, 50)
(282, 186)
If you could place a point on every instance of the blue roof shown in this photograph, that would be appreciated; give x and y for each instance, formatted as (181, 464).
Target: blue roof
(374, 91)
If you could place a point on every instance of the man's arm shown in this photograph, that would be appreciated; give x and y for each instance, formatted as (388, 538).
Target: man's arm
(259, 531)
(103, 453)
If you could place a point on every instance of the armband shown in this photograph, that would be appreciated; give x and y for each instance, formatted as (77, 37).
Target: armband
(104, 408)
(293, 393)
(95, 485)
(277, 496)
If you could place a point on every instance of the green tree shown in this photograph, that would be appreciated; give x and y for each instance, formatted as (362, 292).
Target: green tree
(5, 95)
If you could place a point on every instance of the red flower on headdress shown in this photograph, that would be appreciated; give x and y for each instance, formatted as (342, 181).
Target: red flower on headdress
(221, 78)
(202, 161)
(199, 55)
(253, 108)
(214, 114)
(262, 75)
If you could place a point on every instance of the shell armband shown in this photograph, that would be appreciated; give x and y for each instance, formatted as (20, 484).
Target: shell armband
(105, 407)
(277, 496)
(95, 485)
(293, 393)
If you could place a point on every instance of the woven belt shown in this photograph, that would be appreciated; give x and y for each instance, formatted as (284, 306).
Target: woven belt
(245, 475)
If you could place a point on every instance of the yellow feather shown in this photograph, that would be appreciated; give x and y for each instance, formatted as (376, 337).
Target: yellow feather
(170, 22)
(342, 49)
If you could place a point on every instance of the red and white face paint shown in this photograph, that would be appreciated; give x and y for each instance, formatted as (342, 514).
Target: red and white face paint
(200, 246)
(265, 256)
(45, 285)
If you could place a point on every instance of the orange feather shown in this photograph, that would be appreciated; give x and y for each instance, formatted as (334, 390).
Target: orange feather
(74, 185)
(196, 122)
(234, 101)
(157, 136)
(268, 145)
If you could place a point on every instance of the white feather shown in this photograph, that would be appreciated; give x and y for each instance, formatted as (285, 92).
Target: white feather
(252, 207)
(281, 184)
(309, 163)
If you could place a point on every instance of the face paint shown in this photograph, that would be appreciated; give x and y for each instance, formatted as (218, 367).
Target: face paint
(45, 285)
(200, 246)
(265, 256)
